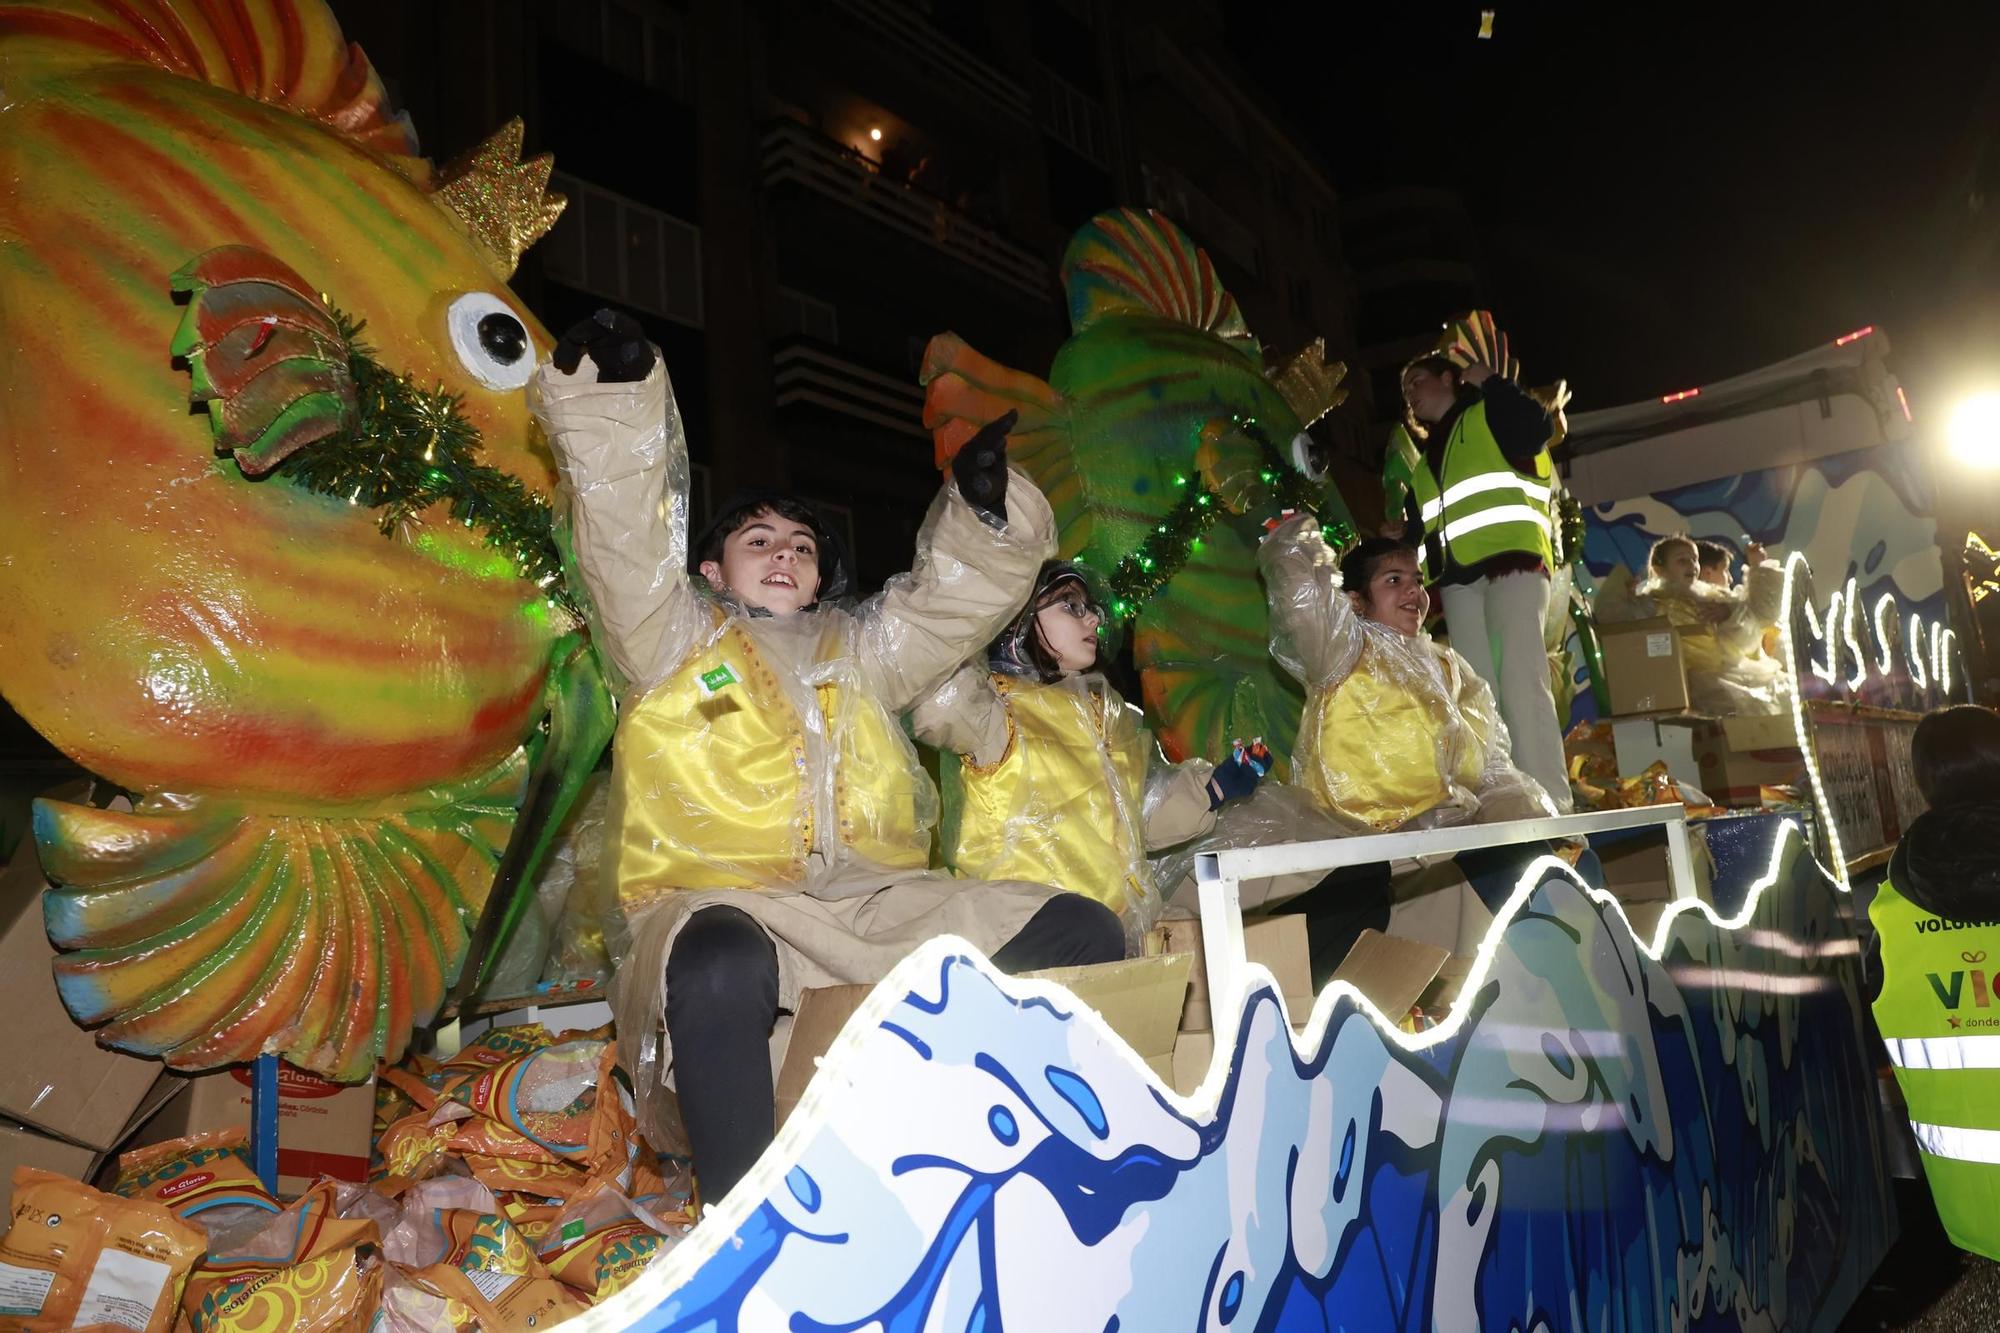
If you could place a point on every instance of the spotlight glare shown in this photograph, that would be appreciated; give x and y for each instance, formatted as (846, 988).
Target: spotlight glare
(1974, 432)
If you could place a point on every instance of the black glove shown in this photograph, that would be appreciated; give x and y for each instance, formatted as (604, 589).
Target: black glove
(980, 467)
(611, 339)
(1240, 773)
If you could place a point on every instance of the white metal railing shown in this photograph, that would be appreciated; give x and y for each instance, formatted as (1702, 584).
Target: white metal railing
(793, 153)
(808, 374)
(911, 35)
(1221, 875)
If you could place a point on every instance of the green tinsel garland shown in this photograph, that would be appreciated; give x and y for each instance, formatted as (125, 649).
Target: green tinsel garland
(412, 448)
(1164, 553)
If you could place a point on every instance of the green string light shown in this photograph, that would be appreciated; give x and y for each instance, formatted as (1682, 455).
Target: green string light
(1138, 577)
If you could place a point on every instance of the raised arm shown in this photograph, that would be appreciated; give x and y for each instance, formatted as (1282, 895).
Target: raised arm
(1315, 634)
(966, 716)
(1177, 801)
(971, 576)
(623, 459)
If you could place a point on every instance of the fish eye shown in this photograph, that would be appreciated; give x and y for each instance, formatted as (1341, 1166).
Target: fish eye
(1307, 457)
(491, 341)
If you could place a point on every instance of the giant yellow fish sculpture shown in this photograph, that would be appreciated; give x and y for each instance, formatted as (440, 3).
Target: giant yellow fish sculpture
(275, 551)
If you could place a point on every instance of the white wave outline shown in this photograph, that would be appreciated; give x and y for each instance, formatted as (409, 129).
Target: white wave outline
(720, 1223)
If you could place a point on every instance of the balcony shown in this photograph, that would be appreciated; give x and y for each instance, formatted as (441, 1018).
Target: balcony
(911, 37)
(809, 373)
(792, 153)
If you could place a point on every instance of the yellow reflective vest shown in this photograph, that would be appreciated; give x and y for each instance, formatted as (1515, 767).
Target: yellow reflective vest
(1940, 1020)
(1482, 506)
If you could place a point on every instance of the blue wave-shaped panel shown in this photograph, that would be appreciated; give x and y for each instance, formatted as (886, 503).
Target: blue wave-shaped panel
(1605, 1135)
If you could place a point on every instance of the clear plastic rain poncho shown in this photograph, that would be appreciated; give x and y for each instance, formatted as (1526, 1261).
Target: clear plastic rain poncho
(1722, 636)
(1059, 782)
(760, 752)
(1399, 731)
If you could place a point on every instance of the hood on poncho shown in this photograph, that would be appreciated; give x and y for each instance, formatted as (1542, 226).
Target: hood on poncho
(1948, 862)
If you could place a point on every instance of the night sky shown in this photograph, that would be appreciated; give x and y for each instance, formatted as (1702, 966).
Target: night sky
(1667, 195)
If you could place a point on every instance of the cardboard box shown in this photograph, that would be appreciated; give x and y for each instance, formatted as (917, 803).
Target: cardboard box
(1140, 999)
(1743, 755)
(1640, 742)
(1277, 943)
(1729, 760)
(323, 1128)
(1192, 1053)
(1643, 666)
(20, 1146)
(1442, 993)
(53, 1074)
(1391, 971)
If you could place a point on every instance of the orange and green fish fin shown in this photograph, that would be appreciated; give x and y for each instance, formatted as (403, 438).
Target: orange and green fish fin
(207, 933)
(1128, 262)
(264, 353)
(287, 53)
(963, 390)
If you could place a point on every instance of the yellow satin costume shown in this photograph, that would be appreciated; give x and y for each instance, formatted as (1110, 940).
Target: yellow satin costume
(711, 769)
(1399, 730)
(1052, 784)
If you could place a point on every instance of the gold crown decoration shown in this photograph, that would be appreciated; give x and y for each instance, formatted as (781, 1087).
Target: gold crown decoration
(1554, 399)
(503, 203)
(1475, 337)
(1309, 384)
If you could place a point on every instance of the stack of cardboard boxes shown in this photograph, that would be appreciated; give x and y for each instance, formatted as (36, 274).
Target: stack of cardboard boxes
(68, 1104)
(1393, 973)
(1730, 760)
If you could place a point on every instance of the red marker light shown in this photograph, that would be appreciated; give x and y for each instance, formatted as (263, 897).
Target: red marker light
(1855, 336)
(1682, 396)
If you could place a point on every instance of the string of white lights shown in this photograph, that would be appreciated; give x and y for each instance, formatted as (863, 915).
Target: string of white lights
(1795, 566)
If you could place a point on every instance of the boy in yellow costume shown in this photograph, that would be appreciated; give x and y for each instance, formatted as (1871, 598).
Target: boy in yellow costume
(1056, 779)
(771, 825)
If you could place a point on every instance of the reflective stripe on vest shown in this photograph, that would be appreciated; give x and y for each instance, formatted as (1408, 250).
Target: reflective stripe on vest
(1481, 492)
(1960, 1145)
(1530, 488)
(1458, 527)
(1944, 1052)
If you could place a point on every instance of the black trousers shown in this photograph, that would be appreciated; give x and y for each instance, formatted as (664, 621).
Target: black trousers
(722, 1000)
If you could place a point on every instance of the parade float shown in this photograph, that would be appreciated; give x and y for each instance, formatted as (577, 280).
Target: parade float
(263, 364)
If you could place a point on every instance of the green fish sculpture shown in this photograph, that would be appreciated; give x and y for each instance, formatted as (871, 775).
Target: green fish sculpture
(1163, 442)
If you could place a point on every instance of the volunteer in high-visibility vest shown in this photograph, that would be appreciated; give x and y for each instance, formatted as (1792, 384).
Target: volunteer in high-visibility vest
(1479, 496)
(1937, 917)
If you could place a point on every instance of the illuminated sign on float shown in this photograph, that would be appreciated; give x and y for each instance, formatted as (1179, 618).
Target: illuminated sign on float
(1928, 655)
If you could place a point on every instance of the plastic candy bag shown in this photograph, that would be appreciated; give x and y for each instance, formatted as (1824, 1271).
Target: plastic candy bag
(75, 1258)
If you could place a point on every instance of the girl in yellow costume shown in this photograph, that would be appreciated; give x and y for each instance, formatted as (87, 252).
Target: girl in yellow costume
(1056, 780)
(1399, 731)
(770, 823)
